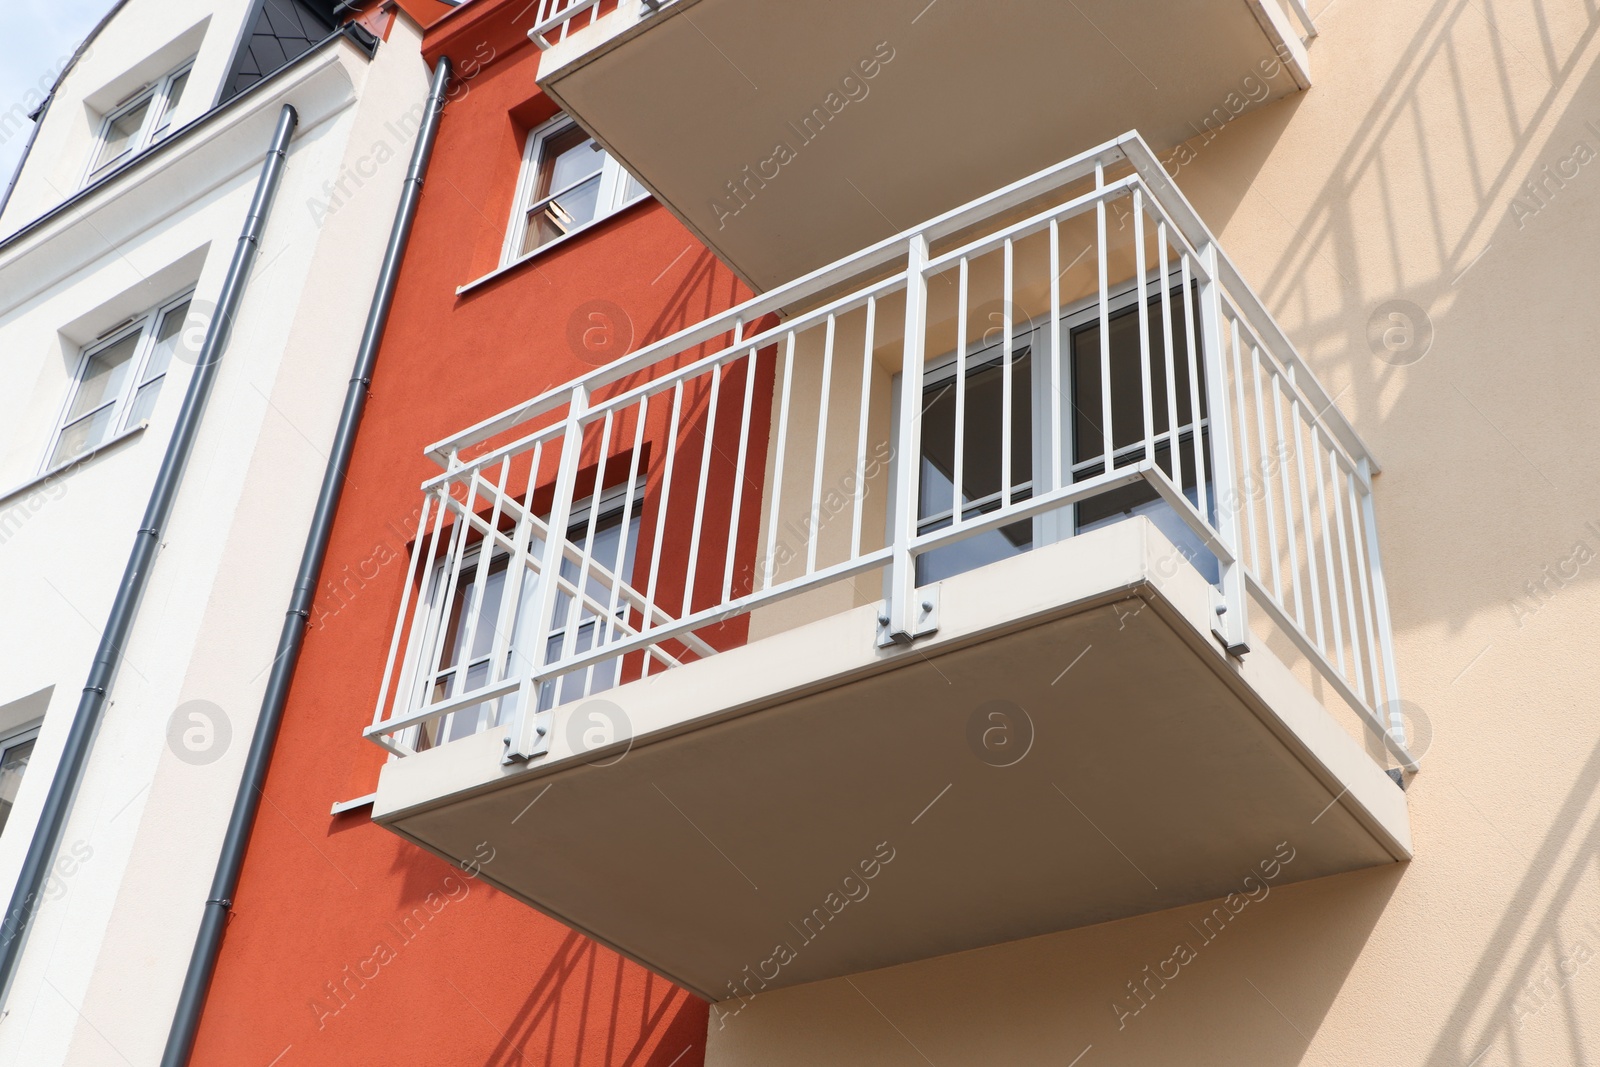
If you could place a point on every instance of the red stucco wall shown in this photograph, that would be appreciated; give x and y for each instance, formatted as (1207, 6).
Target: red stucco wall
(348, 946)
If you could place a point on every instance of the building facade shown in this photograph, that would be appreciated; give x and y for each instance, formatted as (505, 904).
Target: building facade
(949, 533)
(119, 231)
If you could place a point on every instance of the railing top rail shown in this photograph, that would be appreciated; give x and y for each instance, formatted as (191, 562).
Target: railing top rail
(870, 258)
(1171, 198)
(566, 14)
(1129, 146)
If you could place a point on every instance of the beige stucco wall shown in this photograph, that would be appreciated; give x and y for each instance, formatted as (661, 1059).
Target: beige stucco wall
(1403, 175)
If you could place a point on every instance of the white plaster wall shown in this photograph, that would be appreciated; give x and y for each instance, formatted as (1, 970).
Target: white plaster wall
(145, 40)
(101, 970)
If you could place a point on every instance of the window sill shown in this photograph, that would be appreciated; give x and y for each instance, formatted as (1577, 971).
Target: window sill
(66, 468)
(507, 268)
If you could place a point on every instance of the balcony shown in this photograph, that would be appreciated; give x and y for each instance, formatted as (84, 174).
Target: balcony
(1013, 573)
(787, 135)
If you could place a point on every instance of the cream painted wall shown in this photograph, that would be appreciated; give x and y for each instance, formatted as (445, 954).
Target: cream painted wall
(1402, 175)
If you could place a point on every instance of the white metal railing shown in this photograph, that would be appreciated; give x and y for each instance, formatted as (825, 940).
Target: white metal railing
(556, 20)
(976, 385)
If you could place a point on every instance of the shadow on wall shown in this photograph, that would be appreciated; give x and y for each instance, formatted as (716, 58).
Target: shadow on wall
(1538, 971)
(521, 985)
(571, 975)
(1442, 277)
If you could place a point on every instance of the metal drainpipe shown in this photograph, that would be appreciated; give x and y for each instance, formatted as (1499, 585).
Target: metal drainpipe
(136, 576)
(208, 942)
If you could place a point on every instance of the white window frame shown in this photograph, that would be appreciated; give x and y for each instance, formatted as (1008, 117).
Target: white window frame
(19, 737)
(613, 196)
(144, 325)
(151, 130)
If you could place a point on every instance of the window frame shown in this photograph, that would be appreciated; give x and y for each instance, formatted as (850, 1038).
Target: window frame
(20, 736)
(145, 326)
(613, 196)
(1032, 336)
(151, 129)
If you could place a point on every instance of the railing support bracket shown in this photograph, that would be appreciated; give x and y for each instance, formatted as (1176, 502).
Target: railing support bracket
(925, 620)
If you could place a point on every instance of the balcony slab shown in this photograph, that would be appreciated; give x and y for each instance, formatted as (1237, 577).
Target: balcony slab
(757, 124)
(727, 828)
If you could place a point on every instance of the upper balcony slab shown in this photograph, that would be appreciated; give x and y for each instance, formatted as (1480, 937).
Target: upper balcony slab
(786, 136)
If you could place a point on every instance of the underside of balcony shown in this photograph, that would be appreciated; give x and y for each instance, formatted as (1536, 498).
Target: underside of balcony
(1071, 746)
(788, 135)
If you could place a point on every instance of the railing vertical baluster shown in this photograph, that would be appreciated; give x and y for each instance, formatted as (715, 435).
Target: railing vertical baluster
(904, 607)
(661, 512)
(456, 553)
(1174, 453)
(1246, 465)
(861, 428)
(1327, 547)
(1288, 504)
(415, 574)
(700, 491)
(814, 535)
(480, 583)
(1201, 476)
(1271, 505)
(505, 653)
(530, 729)
(1007, 285)
(1336, 465)
(776, 488)
(730, 551)
(958, 488)
(1148, 411)
(1057, 358)
(1380, 609)
(1108, 446)
(1305, 517)
(575, 610)
(1358, 538)
(627, 524)
(1233, 625)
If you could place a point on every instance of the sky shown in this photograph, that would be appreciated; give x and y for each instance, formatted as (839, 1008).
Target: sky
(37, 37)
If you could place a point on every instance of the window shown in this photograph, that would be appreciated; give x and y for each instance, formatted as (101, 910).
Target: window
(465, 622)
(14, 754)
(118, 380)
(568, 182)
(986, 486)
(138, 122)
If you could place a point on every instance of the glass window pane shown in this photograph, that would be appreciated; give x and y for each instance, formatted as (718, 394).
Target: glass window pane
(565, 158)
(1127, 384)
(468, 605)
(169, 335)
(83, 435)
(174, 94)
(104, 376)
(981, 470)
(144, 402)
(122, 134)
(555, 218)
(13, 762)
